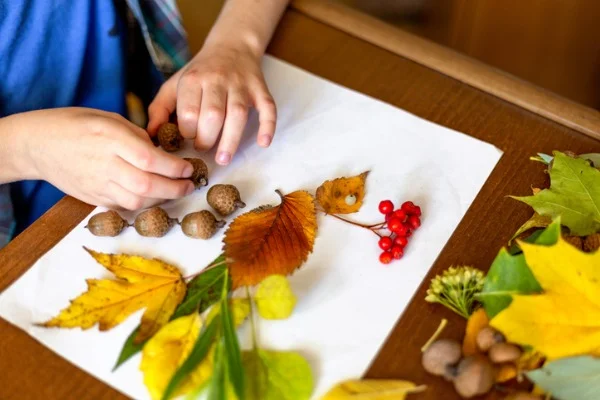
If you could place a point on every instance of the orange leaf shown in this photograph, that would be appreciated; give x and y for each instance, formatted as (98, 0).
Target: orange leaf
(271, 240)
(505, 373)
(477, 321)
(342, 195)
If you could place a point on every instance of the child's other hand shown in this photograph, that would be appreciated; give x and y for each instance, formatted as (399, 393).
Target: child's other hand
(100, 158)
(212, 95)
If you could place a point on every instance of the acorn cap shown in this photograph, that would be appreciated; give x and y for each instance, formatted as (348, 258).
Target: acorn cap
(224, 199)
(169, 137)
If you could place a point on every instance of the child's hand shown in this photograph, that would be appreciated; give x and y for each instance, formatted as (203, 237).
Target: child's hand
(98, 157)
(213, 94)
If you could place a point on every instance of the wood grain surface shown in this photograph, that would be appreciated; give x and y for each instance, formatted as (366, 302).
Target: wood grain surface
(455, 65)
(31, 371)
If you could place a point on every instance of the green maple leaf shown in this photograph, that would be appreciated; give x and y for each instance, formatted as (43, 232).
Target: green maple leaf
(574, 195)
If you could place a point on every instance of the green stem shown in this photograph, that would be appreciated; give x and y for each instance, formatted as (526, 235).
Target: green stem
(252, 324)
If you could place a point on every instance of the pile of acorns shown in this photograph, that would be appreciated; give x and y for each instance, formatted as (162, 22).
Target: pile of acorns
(588, 243)
(474, 375)
(155, 222)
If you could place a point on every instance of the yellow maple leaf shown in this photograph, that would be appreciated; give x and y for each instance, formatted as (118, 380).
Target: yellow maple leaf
(166, 351)
(564, 320)
(271, 240)
(274, 298)
(342, 195)
(372, 389)
(143, 283)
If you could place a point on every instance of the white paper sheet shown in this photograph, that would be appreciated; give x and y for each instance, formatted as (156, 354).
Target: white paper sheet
(348, 301)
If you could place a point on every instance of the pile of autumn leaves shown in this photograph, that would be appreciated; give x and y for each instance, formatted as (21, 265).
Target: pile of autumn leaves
(187, 333)
(543, 293)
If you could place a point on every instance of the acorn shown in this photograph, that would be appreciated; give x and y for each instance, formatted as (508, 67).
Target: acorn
(169, 137)
(592, 242)
(154, 222)
(225, 199)
(200, 225)
(440, 355)
(200, 174)
(474, 375)
(504, 353)
(575, 241)
(108, 223)
(487, 337)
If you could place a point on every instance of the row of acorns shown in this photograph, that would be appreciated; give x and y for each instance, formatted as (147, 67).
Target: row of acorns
(474, 375)
(155, 222)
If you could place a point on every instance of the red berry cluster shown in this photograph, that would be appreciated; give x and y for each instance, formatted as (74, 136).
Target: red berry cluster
(401, 222)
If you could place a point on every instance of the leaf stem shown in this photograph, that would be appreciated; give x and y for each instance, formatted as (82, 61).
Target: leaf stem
(252, 323)
(435, 334)
(373, 227)
(214, 264)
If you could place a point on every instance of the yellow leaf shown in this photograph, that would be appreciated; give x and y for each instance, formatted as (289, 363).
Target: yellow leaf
(477, 321)
(274, 298)
(565, 319)
(151, 284)
(372, 389)
(240, 309)
(271, 240)
(164, 353)
(342, 195)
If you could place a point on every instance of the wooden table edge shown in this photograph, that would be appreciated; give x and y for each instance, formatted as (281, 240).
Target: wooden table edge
(454, 64)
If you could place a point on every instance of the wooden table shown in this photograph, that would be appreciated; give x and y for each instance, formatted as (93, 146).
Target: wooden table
(31, 371)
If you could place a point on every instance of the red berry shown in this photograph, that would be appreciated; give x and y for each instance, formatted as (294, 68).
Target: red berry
(401, 241)
(400, 214)
(385, 257)
(397, 252)
(414, 222)
(385, 243)
(386, 207)
(409, 234)
(402, 230)
(416, 211)
(388, 216)
(407, 206)
(394, 224)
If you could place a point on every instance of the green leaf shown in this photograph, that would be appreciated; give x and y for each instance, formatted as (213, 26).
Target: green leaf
(572, 378)
(509, 274)
(217, 388)
(574, 195)
(198, 353)
(536, 221)
(202, 292)
(235, 368)
(593, 157)
(129, 349)
(273, 375)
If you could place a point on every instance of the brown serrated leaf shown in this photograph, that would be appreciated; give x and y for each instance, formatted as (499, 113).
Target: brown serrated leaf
(143, 283)
(271, 240)
(342, 195)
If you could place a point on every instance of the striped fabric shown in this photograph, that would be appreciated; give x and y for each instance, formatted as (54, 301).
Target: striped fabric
(166, 41)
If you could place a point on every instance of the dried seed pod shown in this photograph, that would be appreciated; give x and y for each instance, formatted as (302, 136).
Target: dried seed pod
(487, 337)
(154, 222)
(592, 242)
(474, 375)
(504, 352)
(200, 225)
(225, 199)
(108, 223)
(200, 174)
(575, 241)
(441, 354)
(169, 137)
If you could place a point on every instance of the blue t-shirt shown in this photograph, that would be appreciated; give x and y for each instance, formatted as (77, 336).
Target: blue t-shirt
(58, 53)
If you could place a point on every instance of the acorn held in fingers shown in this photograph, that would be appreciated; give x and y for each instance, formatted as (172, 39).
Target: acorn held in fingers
(225, 199)
(200, 225)
(154, 222)
(200, 174)
(169, 137)
(108, 223)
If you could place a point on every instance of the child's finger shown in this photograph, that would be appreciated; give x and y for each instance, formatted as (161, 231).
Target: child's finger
(127, 200)
(267, 115)
(212, 115)
(235, 122)
(189, 98)
(162, 106)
